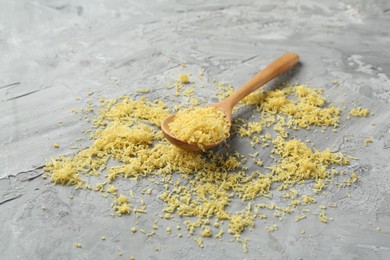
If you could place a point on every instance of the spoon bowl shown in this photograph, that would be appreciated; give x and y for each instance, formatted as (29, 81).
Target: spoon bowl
(194, 147)
(277, 67)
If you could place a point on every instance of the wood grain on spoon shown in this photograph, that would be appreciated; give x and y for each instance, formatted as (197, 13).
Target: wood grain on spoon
(277, 67)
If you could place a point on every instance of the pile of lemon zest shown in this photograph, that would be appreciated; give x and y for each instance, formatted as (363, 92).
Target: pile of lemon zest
(238, 223)
(202, 126)
(359, 112)
(64, 172)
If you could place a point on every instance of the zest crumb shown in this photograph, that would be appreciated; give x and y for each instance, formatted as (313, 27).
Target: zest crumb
(168, 230)
(56, 145)
(167, 216)
(183, 79)
(298, 218)
(112, 189)
(143, 90)
(206, 233)
(77, 245)
(367, 141)
(152, 233)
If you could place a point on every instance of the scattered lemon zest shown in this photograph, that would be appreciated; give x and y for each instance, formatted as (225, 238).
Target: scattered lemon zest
(127, 131)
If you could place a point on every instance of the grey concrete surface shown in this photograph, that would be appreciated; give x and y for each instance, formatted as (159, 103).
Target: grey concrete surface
(53, 52)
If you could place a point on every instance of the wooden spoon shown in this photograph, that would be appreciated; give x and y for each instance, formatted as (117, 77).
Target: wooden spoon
(277, 67)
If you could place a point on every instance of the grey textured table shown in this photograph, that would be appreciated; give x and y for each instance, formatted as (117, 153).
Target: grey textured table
(53, 52)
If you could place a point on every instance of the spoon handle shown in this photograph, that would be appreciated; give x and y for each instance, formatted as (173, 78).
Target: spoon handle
(277, 67)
